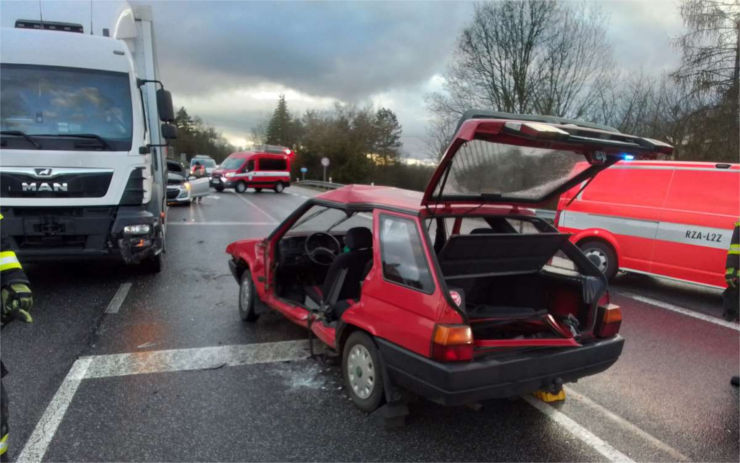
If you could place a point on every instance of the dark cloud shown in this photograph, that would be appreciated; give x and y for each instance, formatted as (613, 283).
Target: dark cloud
(343, 50)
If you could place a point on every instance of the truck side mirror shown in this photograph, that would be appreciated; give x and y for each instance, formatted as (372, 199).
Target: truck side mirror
(169, 131)
(164, 106)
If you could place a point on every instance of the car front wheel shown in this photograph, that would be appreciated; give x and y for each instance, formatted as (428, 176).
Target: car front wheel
(247, 298)
(363, 378)
(240, 187)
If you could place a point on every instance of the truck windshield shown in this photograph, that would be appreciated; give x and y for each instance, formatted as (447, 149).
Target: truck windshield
(65, 108)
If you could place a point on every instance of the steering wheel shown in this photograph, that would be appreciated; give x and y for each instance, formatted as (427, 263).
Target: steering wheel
(321, 248)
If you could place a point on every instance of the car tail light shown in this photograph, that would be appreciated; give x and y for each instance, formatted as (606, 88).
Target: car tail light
(608, 320)
(452, 343)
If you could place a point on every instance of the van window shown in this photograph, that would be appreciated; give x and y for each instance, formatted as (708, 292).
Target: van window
(635, 186)
(250, 165)
(272, 164)
(715, 192)
(402, 254)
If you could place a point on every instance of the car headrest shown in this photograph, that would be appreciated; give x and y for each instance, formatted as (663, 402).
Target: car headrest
(358, 238)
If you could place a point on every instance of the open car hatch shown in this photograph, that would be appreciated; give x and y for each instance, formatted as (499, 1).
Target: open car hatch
(499, 158)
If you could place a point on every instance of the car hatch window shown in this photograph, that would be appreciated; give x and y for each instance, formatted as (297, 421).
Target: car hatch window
(402, 254)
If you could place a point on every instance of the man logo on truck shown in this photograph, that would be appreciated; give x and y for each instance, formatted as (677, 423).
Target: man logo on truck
(33, 187)
(43, 172)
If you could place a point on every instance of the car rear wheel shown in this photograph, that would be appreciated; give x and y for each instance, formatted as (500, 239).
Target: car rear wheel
(602, 255)
(240, 187)
(247, 298)
(363, 378)
(279, 188)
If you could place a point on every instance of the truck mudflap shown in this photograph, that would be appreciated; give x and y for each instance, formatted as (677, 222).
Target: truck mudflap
(496, 376)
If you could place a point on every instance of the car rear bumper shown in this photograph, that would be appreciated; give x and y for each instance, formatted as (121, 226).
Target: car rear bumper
(496, 377)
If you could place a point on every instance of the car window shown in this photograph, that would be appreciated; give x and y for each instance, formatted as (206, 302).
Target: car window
(402, 254)
(175, 167)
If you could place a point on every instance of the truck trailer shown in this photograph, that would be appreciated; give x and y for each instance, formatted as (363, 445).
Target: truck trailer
(85, 122)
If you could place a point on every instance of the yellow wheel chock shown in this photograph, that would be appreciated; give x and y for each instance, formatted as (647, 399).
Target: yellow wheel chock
(549, 396)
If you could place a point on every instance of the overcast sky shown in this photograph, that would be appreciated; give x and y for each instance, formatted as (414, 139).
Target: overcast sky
(228, 62)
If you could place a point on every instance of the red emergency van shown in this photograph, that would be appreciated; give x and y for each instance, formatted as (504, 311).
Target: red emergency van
(265, 166)
(664, 218)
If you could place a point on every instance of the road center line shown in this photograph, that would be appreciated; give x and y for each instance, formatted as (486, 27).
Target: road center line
(115, 304)
(675, 454)
(682, 311)
(257, 207)
(43, 433)
(586, 436)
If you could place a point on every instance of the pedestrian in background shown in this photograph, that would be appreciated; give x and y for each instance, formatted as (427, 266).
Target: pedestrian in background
(731, 296)
(16, 304)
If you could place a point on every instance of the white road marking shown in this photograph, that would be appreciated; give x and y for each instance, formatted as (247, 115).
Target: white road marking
(222, 223)
(45, 429)
(675, 454)
(102, 366)
(683, 311)
(257, 207)
(115, 304)
(583, 434)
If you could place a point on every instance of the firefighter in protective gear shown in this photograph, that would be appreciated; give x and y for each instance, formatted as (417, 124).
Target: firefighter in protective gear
(731, 296)
(16, 305)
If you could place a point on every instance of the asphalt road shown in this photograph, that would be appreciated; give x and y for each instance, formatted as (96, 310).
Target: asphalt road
(172, 373)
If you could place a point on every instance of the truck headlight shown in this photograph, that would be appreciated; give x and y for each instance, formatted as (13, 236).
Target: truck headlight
(140, 229)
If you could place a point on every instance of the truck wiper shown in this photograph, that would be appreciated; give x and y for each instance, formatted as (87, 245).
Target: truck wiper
(18, 133)
(88, 136)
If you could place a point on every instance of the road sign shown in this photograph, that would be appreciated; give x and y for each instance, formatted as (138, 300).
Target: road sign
(304, 169)
(325, 162)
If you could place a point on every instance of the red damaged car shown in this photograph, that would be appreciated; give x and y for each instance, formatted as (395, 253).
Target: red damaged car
(460, 293)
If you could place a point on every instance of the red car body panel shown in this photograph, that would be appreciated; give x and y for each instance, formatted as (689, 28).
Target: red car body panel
(665, 218)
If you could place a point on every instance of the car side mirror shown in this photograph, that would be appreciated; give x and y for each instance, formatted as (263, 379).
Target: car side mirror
(164, 106)
(169, 131)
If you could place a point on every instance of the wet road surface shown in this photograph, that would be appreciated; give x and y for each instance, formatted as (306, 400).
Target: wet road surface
(124, 366)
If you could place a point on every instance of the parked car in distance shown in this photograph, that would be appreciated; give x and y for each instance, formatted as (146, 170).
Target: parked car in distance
(458, 294)
(665, 218)
(265, 166)
(183, 188)
(208, 163)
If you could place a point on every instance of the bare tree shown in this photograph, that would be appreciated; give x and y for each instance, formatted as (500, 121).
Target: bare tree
(530, 56)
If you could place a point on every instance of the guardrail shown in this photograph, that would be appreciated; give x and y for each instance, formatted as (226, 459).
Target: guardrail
(544, 214)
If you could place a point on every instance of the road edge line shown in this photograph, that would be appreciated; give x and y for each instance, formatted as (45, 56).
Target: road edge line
(678, 456)
(42, 435)
(581, 433)
(682, 311)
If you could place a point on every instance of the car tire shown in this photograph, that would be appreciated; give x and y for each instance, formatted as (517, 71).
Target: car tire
(247, 298)
(240, 187)
(258, 190)
(219, 188)
(152, 264)
(362, 373)
(279, 187)
(602, 255)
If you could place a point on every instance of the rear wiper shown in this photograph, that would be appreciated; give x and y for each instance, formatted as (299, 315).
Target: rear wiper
(89, 136)
(18, 133)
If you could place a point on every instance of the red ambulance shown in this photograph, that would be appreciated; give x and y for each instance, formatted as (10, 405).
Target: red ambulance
(265, 166)
(665, 218)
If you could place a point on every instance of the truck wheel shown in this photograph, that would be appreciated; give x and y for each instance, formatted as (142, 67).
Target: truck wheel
(361, 370)
(247, 298)
(279, 187)
(219, 188)
(240, 187)
(602, 255)
(153, 264)
(258, 190)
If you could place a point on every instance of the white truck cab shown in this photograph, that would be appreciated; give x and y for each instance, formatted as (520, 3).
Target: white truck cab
(82, 143)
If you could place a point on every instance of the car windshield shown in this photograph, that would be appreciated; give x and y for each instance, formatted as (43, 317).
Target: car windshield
(326, 219)
(508, 171)
(66, 105)
(207, 162)
(232, 163)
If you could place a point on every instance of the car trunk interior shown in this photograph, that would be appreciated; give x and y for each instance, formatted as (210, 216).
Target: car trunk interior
(512, 288)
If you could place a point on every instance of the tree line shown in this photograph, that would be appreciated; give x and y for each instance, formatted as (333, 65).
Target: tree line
(196, 137)
(553, 57)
